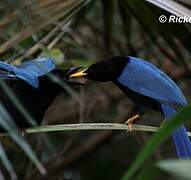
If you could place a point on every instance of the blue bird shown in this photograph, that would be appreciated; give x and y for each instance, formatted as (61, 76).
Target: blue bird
(147, 86)
(33, 88)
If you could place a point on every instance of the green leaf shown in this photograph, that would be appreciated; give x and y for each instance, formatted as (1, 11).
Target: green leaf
(17, 103)
(172, 7)
(7, 163)
(150, 172)
(177, 168)
(157, 139)
(54, 53)
(7, 123)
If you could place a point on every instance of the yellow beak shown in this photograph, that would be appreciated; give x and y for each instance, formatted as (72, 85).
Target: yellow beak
(79, 74)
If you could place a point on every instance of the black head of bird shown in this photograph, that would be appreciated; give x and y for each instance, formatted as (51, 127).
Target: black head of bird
(105, 70)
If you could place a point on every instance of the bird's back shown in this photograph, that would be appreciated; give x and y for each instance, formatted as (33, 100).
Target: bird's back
(146, 79)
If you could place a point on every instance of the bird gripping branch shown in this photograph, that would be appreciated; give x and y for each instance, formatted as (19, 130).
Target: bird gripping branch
(147, 86)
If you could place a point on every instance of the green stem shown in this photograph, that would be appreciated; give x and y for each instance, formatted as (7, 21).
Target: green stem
(88, 126)
(91, 126)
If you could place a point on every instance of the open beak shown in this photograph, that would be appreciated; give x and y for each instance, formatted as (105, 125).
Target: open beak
(80, 73)
(71, 71)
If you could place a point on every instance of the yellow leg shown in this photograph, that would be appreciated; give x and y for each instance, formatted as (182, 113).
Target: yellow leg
(130, 121)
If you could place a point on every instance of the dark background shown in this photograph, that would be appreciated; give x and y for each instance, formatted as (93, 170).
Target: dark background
(77, 33)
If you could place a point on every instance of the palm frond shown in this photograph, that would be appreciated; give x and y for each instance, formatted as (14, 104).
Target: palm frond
(172, 7)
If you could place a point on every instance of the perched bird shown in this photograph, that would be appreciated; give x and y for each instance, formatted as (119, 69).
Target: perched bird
(32, 87)
(147, 86)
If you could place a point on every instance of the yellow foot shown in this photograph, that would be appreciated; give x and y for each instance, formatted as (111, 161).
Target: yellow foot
(129, 122)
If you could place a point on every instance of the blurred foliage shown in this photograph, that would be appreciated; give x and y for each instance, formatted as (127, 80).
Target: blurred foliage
(157, 139)
(80, 32)
(55, 54)
(177, 168)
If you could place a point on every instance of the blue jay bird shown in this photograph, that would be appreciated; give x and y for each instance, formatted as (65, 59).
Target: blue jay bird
(147, 86)
(33, 88)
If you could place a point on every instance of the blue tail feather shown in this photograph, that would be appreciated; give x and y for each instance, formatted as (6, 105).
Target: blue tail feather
(180, 137)
(28, 71)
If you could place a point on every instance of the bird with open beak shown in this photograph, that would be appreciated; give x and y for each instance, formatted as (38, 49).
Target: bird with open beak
(147, 86)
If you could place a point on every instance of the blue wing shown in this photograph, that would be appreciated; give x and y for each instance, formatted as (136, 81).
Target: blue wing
(29, 71)
(146, 79)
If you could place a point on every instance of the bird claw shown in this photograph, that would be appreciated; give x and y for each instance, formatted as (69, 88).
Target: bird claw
(130, 126)
(129, 122)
